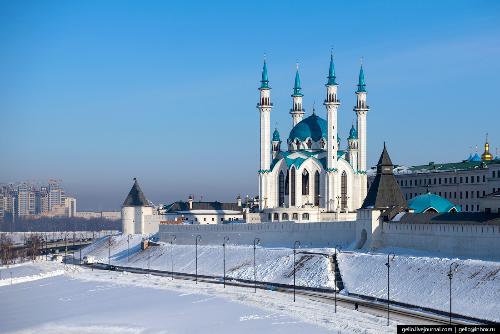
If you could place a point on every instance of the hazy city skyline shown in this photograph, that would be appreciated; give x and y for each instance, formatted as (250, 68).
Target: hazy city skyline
(96, 94)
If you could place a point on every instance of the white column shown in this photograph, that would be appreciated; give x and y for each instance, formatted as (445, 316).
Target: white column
(361, 109)
(332, 104)
(265, 107)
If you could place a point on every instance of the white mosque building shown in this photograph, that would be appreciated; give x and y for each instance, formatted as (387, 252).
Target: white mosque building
(312, 179)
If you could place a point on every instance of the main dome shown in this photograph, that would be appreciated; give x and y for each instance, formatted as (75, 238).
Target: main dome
(313, 127)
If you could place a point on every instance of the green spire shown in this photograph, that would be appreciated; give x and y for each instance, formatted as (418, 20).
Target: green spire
(264, 83)
(276, 135)
(361, 81)
(331, 73)
(296, 88)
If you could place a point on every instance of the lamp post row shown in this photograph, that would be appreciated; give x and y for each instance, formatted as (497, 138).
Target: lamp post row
(390, 258)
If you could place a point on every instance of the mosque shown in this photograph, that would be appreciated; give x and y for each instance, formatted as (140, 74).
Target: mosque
(312, 178)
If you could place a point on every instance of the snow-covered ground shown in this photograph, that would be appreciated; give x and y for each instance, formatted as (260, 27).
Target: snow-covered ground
(26, 272)
(423, 281)
(85, 301)
(272, 264)
(415, 279)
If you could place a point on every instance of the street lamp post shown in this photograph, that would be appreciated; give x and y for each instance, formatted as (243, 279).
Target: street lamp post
(256, 241)
(128, 247)
(226, 239)
(294, 267)
(65, 245)
(337, 247)
(388, 264)
(198, 238)
(81, 238)
(109, 252)
(172, 255)
(453, 269)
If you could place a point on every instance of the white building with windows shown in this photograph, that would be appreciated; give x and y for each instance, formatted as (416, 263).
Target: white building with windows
(312, 179)
(463, 183)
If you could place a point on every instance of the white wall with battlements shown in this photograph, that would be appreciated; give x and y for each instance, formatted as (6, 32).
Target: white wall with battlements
(451, 240)
(277, 234)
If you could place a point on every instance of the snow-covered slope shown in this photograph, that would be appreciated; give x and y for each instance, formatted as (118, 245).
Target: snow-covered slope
(416, 280)
(423, 281)
(272, 264)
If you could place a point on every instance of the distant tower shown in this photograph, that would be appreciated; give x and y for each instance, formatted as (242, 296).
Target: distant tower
(297, 111)
(353, 147)
(264, 106)
(276, 143)
(332, 104)
(486, 156)
(134, 208)
(361, 109)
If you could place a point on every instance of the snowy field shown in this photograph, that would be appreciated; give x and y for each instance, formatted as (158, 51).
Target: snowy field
(85, 301)
(418, 280)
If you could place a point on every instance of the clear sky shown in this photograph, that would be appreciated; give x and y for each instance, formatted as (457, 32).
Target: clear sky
(98, 92)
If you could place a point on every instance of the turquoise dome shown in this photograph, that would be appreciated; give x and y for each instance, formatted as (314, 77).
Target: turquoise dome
(313, 127)
(431, 203)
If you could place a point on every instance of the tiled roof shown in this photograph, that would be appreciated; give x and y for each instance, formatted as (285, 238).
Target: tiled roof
(136, 196)
(384, 192)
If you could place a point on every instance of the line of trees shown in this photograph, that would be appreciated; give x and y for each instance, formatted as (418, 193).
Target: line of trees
(46, 224)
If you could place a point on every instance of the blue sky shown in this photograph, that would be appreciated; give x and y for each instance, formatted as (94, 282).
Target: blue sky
(98, 92)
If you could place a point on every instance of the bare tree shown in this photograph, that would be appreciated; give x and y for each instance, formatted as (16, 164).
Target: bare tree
(6, 249)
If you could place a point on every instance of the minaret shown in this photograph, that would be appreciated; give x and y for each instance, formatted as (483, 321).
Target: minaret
(297, 112)
(361, 109)
(264, 106)
(353, 147)
(276, 143)
(332, 104)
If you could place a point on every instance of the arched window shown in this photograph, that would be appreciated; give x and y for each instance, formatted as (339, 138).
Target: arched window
(287, 185)
(309, 143)
(343, 190)
(305, 182)
(284, 216)
(281, 187)
(322, 143)
(305, 216)
(292, 200)
(316, 188)
(297, 144)
(276, 216)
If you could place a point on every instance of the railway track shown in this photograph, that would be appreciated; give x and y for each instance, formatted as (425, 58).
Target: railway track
(402, 314)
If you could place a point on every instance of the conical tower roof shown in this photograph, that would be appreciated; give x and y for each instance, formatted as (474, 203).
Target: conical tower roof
(385, 159)
(384, 191)
(136, 196)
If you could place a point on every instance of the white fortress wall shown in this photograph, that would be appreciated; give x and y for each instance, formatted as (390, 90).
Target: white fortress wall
(460, 240)
(276, 234)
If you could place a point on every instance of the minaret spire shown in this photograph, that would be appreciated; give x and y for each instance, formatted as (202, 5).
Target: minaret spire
(361, 79)
(331, 72)
(297, 111)
(361, 109)
(264, 83)
(265, 106)
(332, 104)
